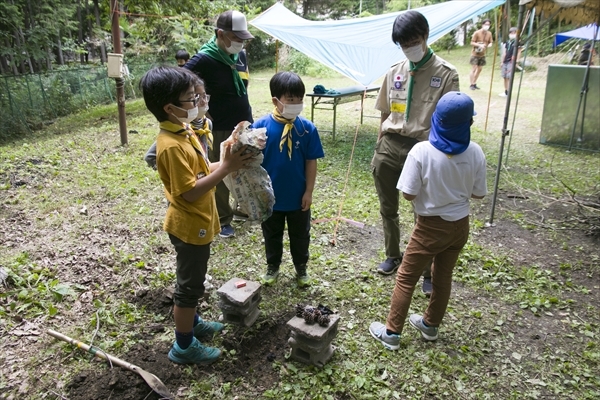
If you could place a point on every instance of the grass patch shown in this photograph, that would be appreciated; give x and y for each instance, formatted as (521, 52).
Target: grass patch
(84, 253)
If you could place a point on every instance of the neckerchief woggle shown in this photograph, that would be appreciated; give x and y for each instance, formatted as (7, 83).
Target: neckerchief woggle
(412, 69)
(286, 136)
(203, 130)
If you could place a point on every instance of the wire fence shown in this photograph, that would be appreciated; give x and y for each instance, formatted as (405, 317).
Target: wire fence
(29, 102)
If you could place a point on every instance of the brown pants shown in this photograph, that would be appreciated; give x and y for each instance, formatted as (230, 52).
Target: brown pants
(432, 238)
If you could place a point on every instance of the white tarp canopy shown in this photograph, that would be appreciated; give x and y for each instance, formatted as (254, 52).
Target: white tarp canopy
(361, 48)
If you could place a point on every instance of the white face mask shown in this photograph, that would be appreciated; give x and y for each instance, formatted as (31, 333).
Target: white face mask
(202, 111)
(291, 111)
(234, 47)
(486, 27)
(192, 114)
(512, 36)
(414, 53)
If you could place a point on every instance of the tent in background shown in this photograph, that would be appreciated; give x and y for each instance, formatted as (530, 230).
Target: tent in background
(361, 48)
(585, 32)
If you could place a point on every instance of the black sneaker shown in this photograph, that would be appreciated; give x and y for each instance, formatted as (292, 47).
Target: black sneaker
(476, 87)
(389, 266)
(427, 286)
(473, 87)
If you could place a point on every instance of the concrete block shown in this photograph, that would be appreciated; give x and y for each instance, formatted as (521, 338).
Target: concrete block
(239, 296)
(314, 345)
(246, 309)
(318, 358)
(243, 320)
(313, 331)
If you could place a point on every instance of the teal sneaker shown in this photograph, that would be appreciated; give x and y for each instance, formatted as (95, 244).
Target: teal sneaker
(271, 276)
(429, 333)
(206, 329)
(378, 331)
(195, 354)
(302, 278)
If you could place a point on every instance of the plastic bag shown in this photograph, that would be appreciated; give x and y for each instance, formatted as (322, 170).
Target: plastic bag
(251, 187)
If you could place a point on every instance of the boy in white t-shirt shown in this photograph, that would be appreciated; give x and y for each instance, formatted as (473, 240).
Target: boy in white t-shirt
(439, 177)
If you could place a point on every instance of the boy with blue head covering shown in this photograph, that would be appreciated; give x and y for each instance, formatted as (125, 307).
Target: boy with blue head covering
(440, 176)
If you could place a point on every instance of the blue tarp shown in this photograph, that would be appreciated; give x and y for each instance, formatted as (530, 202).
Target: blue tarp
(586, 32)
(361, 48)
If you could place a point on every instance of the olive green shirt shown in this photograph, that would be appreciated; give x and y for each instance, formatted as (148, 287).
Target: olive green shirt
(434, 79)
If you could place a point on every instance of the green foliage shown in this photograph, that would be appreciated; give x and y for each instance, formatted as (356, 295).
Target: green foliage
(446, 42)
(30, 102)
(33, 291)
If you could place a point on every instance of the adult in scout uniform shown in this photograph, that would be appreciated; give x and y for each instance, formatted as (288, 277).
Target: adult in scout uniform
(481, 40)
(222, 64)
(407, 99)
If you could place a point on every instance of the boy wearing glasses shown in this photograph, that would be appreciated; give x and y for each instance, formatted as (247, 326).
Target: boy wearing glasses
(201, 124)
(191, 220)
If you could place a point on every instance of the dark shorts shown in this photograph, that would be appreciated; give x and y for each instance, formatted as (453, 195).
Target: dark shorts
(479, 61)
(192, 262)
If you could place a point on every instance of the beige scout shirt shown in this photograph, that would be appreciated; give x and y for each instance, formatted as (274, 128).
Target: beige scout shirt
(434, 79)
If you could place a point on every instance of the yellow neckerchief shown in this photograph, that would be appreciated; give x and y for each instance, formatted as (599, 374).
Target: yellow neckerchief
(185, 130)
(204, 131)
(286, 136)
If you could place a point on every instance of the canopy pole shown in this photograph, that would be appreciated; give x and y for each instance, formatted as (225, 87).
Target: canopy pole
(512, 127)
(583, 93)
(487, 111)
(505, 132)
(276, 55)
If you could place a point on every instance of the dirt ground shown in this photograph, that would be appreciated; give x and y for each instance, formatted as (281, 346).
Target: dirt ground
(544, 236)
(257, 350)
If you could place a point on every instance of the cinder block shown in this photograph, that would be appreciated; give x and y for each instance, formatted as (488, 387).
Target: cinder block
(239, 296)
(231, 308)
(318, 358)
(243, 320)
(313, 331)
(311, 344)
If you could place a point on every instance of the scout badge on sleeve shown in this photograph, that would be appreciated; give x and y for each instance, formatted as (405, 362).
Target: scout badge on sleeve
(435, 82)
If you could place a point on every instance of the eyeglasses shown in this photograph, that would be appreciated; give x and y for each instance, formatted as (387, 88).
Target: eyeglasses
(197, 99)
(408, 45)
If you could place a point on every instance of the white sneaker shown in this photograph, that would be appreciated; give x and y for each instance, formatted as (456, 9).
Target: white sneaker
(503, 94)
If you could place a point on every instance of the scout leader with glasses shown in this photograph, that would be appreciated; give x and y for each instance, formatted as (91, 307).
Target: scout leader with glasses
(407, 99)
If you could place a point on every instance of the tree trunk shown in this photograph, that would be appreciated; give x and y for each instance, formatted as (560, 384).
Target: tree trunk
(3, 65)
(61, 58)
(80, 32)
(19, 60)
(90, 28)
(11, 60)
(48, 58)
(99, 23)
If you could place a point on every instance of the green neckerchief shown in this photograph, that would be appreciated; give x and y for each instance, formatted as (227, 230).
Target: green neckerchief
(412, 69)
(212, 50)
(286, 136)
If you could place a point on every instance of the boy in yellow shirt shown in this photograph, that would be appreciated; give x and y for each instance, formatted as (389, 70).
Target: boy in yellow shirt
(191, 221)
